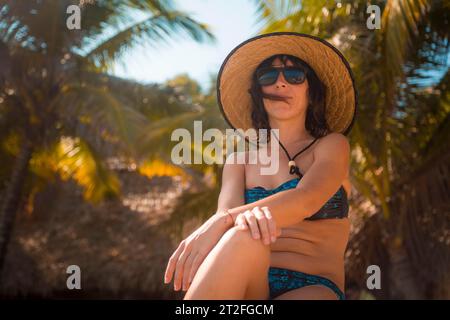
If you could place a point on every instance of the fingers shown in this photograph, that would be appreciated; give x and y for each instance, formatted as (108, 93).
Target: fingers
(196, 263)
(252, 224)
(263, 224)
(180, 267)
(241, 222)
(172, 262)
(260, 223)
(187, 271)
(271, 224)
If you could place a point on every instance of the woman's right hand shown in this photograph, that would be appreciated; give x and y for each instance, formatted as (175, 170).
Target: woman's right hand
(191, 252)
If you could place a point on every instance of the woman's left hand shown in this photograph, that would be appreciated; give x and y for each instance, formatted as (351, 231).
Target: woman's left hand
(260, 222)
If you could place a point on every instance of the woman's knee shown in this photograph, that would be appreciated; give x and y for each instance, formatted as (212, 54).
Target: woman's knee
(244, 239)
(237, 234)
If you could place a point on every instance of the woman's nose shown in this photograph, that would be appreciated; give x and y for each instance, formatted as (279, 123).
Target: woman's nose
(281, 81)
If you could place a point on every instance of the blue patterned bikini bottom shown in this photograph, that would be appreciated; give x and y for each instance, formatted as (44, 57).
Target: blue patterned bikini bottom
(284, 280)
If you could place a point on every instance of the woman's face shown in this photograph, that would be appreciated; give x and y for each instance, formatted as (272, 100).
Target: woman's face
(297, 102)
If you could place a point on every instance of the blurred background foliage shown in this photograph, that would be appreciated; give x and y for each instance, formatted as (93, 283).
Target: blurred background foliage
(87, 176)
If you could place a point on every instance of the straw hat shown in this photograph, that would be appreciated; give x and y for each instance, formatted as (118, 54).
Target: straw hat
(333, 70)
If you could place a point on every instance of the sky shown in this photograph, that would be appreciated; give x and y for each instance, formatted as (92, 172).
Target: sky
(231, 22)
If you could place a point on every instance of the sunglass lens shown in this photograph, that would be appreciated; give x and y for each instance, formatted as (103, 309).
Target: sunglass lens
(295, 75)
(268, 77)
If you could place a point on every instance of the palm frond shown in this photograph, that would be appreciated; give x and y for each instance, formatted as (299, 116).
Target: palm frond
(73, 158)
(151, 31)
(102, 110)
(399, 21)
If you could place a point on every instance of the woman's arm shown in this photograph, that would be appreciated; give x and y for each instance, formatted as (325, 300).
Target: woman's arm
(233, 184)
(187, 258)
(317, 186)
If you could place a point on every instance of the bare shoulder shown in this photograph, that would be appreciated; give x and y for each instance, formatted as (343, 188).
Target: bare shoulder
(333, 144)
(235, 163)
(335, 147)
(236, 159)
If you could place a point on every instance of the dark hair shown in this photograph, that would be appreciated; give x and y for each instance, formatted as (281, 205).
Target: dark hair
(315, 121)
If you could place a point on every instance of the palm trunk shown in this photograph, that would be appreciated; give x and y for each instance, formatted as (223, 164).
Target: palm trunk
(11, 201)
(403, 279)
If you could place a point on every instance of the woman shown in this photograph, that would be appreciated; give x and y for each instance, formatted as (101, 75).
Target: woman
(303, 87)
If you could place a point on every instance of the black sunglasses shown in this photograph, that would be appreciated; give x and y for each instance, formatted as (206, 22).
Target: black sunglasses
(268, 76)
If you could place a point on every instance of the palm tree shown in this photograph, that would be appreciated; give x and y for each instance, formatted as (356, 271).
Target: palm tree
(200, 201)
(404, 114)
(52, 104)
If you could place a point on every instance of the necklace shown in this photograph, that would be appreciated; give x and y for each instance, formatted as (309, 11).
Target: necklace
(293, 169)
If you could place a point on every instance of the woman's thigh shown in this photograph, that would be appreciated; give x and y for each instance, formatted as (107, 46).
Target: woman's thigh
(258, 263)
(258, 288)
(241, 261)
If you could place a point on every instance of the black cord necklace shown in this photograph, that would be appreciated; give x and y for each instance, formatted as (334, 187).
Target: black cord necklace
(293, 169)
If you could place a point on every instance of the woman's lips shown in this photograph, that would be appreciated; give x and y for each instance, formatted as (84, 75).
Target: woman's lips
(280, 96)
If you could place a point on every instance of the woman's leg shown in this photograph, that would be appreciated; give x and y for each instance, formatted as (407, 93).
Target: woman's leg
(236, 268)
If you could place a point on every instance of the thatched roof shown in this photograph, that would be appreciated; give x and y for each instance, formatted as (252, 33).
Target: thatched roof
(117, 244)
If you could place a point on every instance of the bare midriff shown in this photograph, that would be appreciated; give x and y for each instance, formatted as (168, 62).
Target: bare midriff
(314, 247)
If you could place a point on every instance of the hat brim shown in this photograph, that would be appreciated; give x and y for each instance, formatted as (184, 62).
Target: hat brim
(235, 76)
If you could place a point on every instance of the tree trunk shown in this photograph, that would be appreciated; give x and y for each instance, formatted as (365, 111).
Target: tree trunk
(403, 280)
(11, 201)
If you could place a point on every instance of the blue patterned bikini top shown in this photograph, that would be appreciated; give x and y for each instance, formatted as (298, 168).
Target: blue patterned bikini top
(335, 208)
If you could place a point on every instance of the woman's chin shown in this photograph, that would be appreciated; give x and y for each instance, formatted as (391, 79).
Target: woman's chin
(282, 112)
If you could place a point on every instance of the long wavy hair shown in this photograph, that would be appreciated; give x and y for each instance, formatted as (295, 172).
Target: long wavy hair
(315, 121)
